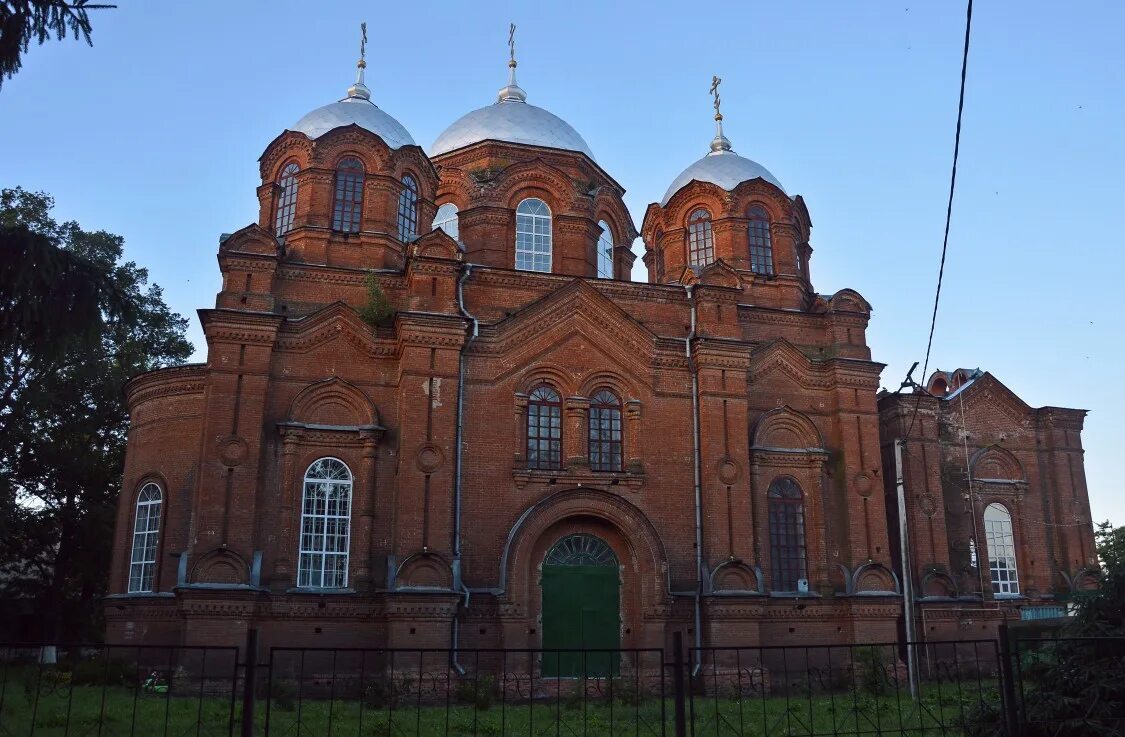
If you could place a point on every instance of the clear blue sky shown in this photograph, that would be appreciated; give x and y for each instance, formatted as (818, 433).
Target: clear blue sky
(155, 134)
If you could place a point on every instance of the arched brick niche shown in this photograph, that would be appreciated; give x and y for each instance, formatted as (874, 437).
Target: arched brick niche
(621, 525)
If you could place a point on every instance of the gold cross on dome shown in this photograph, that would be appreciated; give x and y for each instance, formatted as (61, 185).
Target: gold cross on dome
(715, 82)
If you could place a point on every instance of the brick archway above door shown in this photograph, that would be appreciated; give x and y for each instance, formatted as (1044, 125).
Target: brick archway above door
(646, 551)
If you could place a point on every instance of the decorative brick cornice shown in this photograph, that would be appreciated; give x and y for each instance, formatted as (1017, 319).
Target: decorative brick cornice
(171, 381)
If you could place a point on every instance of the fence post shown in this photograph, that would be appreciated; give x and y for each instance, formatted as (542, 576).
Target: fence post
(250, 670)
(1008, 683)
(678, 682)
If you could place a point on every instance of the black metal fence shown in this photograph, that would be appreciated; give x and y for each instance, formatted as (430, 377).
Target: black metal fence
(983, 687)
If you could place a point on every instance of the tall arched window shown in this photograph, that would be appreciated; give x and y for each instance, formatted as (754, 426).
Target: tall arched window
(533, 235)
(761, 249)
(787, 534)
(701, 245)
(347, 207)
(326, 511)
(605, 431)
(286, 199)
(659, 275)
(605, 251)
(446, 219)
(408, 210)
(1001, 548)
(146, 537)
(544, 428)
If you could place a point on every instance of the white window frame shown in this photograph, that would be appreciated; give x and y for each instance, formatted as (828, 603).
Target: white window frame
(408, 210)
(146, 538)
(533, 235)
(286, 199)
(605, 251)
(446, 219)
(325, 542)
(1000, 542)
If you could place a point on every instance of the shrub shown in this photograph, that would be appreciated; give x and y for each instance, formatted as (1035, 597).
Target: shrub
(479, 692)
(378, 310)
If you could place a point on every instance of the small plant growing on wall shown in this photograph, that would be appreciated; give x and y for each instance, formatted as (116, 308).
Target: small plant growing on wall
(378, 310)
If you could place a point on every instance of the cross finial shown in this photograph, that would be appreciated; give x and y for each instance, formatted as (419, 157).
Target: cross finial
(359, 89)
(715, 82)
(512, 92)
(719, 143)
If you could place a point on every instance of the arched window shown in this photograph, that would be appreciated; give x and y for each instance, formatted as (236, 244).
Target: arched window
(701, 246)
(761, 249)
(347, 205)
(659, 275)
(787, 534)
(544, 428)
(605, 431)
(580, 550)
(533, 236)
(605, 251)
(146, 537)
(408, 210)
(286, 199)
(446, 219)
(1001, 549)
(326, 511)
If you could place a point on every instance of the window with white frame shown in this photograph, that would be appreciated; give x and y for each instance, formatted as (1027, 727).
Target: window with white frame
(446, 219)
(286, 199)
(325, 525)
(1001, 548)
(347, 204)
(701, 244)
(605, 251)
(408, 210)
(761, 248)
(146, 539)
(533, 235)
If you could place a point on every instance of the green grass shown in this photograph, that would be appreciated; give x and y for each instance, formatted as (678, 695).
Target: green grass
(125, 712)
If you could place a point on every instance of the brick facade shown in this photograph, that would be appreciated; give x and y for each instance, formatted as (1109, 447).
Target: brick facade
(970, 442)
(782, 377)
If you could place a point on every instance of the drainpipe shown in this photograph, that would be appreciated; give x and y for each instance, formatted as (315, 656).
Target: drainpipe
(457, 456)
(907, 573)
(698, 474)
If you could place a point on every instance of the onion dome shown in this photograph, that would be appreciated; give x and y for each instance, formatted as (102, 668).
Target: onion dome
(356, 108)
(722, 167)
(511, 119)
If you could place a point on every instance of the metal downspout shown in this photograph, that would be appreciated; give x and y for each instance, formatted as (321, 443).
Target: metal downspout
(457, 456)
(698, 475)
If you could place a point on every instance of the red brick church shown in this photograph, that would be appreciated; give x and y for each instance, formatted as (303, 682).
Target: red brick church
(436, 412)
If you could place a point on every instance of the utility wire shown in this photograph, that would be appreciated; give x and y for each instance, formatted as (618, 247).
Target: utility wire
(948, 207)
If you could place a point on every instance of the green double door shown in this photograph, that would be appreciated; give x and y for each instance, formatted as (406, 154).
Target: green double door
(581, 611)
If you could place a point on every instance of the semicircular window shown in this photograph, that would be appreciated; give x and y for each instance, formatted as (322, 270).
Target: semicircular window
(580, 550)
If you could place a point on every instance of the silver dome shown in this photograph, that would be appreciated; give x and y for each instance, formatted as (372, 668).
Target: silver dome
(514, 121)
(358, 110)
(724, 168)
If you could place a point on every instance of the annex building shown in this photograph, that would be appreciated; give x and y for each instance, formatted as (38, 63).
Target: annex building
(435, 412)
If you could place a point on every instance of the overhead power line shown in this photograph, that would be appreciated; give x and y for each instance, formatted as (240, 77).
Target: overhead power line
(948, 206)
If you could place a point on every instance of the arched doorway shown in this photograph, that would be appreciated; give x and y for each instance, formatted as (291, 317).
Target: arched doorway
(581, 607)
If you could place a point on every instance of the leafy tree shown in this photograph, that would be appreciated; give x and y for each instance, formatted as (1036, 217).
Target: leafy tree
(22, 20)
(1075, 685)
(62, 442)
